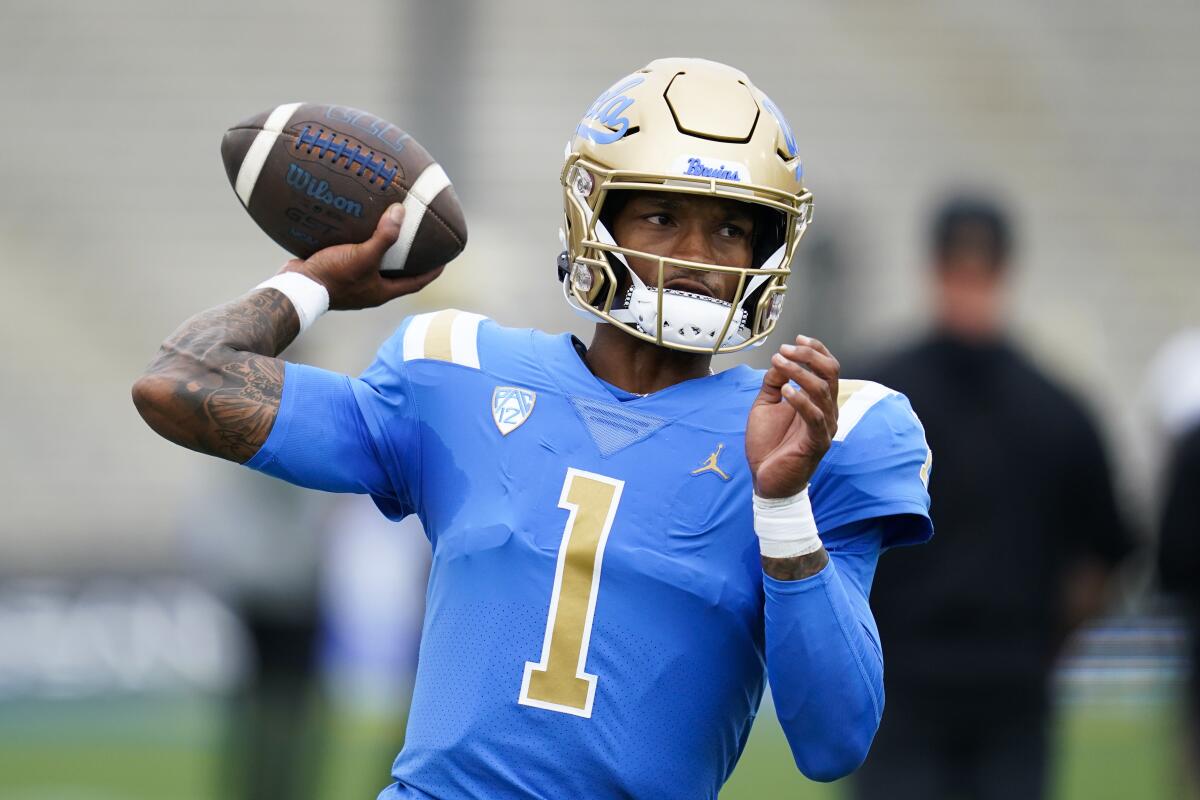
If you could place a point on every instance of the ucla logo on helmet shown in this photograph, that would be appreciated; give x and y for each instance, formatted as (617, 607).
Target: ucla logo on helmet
(603, 122)
(511, 406)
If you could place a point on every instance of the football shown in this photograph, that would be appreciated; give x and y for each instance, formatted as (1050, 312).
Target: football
(312, 176)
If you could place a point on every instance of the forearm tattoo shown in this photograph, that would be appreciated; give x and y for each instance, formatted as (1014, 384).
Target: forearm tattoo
(797, 567)
(225, 382)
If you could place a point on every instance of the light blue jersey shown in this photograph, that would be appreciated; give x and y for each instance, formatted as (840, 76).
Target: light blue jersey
(598, 621)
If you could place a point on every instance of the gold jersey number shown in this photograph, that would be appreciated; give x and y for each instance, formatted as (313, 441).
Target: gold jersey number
(558, 681)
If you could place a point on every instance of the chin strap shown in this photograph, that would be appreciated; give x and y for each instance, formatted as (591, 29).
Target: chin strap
(604, 237)
(773, 261)
(688, 319)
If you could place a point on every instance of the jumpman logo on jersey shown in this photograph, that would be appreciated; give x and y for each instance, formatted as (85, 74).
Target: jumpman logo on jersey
(710, 464)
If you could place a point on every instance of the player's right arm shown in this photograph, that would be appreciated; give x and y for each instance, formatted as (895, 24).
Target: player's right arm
(216, 386)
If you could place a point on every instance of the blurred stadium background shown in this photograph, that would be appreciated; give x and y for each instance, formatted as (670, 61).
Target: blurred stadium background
(116, 222)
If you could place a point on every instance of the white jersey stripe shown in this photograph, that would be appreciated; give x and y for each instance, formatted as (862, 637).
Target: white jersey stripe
(464, 339)
(260, 148)
(858, 405)
(414, 336)
(428, 185)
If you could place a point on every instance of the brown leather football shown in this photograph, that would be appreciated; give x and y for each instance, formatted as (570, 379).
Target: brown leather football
(312, 176)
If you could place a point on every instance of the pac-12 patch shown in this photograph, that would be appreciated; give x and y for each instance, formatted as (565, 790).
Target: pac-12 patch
(511, 407)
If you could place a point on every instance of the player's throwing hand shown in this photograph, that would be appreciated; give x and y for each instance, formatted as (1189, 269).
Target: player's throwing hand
(793, 419)
(350, 272)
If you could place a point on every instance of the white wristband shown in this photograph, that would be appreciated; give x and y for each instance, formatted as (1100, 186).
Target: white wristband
(785, 526)
(309, 298)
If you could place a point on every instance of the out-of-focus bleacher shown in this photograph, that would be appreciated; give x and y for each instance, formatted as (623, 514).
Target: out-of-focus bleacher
(117, 221)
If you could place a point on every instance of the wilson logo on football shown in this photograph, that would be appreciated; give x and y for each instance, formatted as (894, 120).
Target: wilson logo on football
(302, 180)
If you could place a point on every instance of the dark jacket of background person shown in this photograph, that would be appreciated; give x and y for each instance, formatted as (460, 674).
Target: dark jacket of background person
(1022, 495)
(1028, 533)
(1179, 559)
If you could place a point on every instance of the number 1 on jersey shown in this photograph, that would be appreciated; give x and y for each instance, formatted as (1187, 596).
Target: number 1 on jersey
(558, 682)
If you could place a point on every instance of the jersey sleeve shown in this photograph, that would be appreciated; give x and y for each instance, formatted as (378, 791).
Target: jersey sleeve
(824, 660)
(878, 466)
(342, 434)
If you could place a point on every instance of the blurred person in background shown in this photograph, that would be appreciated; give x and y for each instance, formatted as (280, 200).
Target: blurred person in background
(1174, 379)
(259, 548)
(1028, 536)
(1179, 569)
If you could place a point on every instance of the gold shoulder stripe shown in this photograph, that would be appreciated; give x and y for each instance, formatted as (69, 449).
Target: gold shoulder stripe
(449, 335)
(437, 340)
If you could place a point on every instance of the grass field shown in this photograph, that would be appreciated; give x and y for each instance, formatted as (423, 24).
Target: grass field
(164, 749)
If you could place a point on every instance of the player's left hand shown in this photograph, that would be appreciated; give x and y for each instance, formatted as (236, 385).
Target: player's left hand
(793, 419)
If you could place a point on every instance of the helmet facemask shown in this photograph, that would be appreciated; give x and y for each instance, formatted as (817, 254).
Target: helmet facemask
(600, 282)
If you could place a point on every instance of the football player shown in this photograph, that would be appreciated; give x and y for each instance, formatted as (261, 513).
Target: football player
(626, 546)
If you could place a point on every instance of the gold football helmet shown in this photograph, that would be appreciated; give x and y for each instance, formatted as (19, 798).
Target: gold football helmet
(698, 127)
